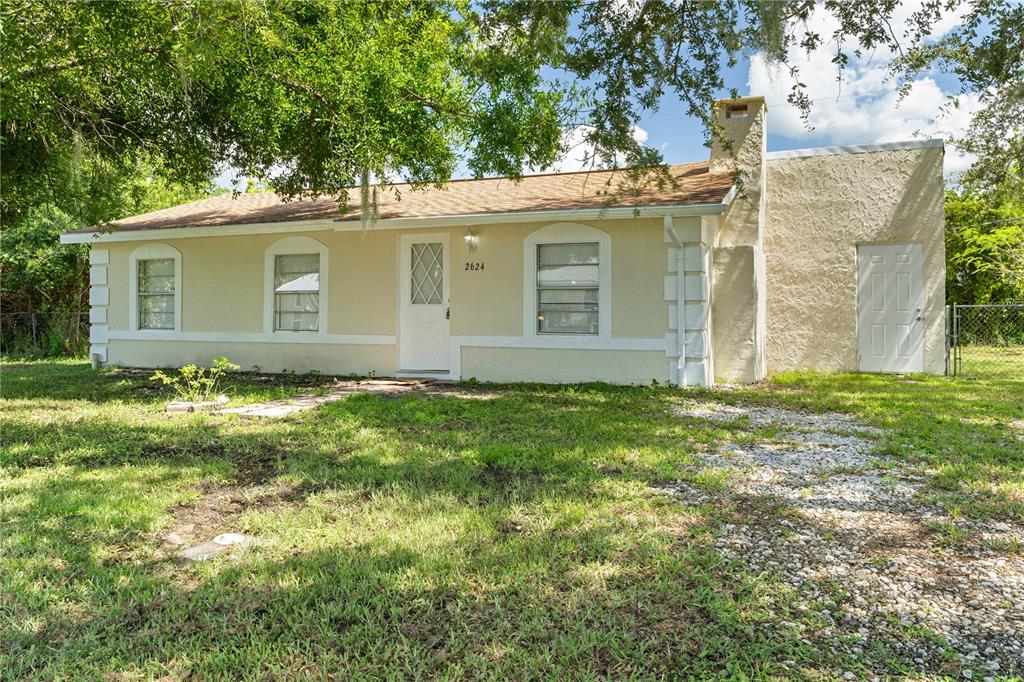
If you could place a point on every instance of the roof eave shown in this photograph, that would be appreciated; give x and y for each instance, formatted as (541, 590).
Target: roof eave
(458, 220)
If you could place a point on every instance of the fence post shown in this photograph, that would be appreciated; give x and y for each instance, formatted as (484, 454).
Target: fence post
(956, 340)
(949, 341)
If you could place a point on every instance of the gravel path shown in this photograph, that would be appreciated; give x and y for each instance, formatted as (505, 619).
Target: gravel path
(852, 521)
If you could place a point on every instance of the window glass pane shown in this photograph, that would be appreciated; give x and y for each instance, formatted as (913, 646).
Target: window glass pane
(157, 267)
(156, 275)
(568, 296)
(156, 320)
(297, 272)
(296, 312)
(155, 299)
(567, 275)
(568, 283)
(156, 303)
(566, 322)
(427, 273)
(302, 303)
(296, 322)
(567, 254)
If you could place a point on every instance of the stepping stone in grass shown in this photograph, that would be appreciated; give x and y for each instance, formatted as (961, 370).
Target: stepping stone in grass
(217, 545)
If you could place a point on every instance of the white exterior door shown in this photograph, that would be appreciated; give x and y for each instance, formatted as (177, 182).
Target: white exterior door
(890, 308)
(423, 333)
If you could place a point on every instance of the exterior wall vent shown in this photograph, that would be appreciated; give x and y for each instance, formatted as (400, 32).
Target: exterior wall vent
(737, 111)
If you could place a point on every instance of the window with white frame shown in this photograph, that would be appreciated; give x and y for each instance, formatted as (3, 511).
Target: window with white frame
(568, 288)
(297, 292)
(154, 299)
(295, 286)
(156, 293)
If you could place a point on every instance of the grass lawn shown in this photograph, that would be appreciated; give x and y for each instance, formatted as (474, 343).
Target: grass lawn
(506, 532)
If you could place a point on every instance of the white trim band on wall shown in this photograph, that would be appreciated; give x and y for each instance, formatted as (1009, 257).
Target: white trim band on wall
(854, 149)
(538, 342)
(242, 337)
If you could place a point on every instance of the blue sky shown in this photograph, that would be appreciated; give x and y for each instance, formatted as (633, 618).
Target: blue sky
(864, 108)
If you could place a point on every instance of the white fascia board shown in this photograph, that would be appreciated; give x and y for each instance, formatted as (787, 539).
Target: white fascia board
(198, 231)
(854, 149)
(474, 219)
(462, 220)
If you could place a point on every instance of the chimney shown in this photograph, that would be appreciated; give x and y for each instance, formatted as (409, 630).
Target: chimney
(741, 123)
(739, 281)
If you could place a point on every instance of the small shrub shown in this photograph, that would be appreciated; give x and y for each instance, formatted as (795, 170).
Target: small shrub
(196, 384)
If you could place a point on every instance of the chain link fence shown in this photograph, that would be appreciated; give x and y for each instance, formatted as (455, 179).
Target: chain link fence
(44, 334)
(986, 341)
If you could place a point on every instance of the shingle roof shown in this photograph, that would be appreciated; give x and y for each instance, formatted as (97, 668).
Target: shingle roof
(695, 185)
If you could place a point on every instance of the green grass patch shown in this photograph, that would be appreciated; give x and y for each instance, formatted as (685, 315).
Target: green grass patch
(509, 534)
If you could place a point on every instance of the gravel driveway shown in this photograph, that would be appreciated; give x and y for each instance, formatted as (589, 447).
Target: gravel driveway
(853, 525)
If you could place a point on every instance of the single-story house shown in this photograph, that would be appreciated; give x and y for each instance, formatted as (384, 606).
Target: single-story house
(751, 262)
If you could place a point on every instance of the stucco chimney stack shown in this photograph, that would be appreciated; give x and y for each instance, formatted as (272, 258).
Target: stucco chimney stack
(739, 139)
(739, 147)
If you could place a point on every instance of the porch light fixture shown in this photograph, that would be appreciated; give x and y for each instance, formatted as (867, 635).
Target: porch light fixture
(471, 239)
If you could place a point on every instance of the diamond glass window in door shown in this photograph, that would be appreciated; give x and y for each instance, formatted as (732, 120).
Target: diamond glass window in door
(427, 273)
(297, 293)
(156, 293)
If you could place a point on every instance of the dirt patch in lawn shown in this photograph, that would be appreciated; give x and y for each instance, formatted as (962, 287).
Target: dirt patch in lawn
(871, 564)
(217, 508)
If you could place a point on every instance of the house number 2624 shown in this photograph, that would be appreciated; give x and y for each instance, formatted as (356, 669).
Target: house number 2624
(474, 265)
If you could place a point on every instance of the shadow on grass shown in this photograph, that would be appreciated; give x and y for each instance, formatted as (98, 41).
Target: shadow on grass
(510, 537)
(76, 380)
(514, 541)
(579, 602)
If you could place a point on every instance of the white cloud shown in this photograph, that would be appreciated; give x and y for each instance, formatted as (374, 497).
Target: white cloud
(864, 107)
(579, 153)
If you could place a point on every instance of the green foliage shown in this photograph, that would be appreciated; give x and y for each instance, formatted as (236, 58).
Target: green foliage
(196, 384)
(513, 537)
(44, 284)
(316, 96)
(310, 95)
(986, 52)
(984, 247)
(114, 108)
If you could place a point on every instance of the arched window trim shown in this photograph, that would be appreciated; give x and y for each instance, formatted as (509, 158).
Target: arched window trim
(567, 233)
(148, 252)
(294, 246)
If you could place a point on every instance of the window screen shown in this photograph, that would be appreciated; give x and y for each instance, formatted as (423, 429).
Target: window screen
(567, 288)
(156, 293)
(297, 293)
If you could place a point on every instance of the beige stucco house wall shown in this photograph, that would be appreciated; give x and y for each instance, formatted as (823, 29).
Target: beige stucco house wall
(821, 205)
(748, 266)
(222, 307)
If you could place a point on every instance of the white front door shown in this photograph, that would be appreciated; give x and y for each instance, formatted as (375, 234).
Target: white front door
(423, 333)
(890, 308)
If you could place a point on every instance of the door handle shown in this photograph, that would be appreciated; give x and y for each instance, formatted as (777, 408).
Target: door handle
(448, 314)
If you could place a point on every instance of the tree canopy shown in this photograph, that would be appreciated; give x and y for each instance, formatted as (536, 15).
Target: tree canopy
(985, 245)
(318, 95)
(113, 108)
